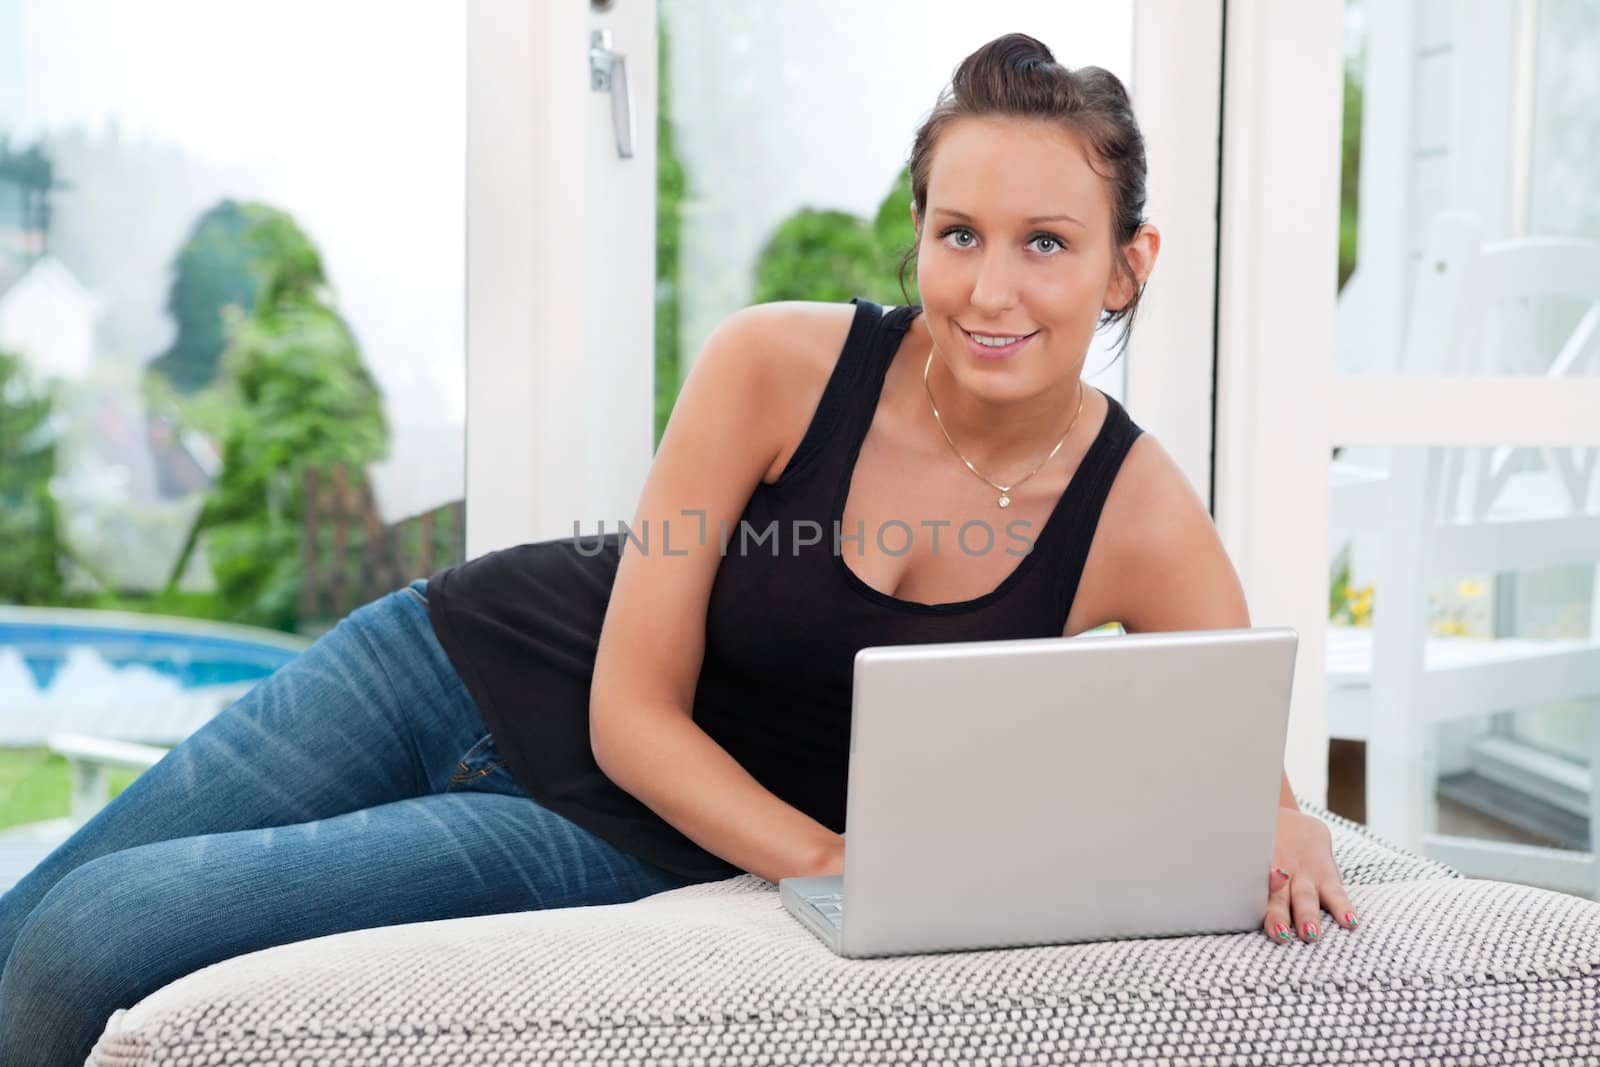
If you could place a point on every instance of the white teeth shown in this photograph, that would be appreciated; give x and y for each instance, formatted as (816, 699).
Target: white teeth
(993, 342)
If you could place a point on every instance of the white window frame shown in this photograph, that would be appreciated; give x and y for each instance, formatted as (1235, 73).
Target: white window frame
(1281, 110)
(1282, 409)
(1171, 359)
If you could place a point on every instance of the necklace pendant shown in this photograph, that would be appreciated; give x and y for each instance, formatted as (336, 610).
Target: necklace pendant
(1005, 501)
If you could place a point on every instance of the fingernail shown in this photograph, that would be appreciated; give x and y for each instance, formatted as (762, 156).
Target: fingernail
(1283, 932)
(1311, 931)
(1350, 917)
(1283, 872)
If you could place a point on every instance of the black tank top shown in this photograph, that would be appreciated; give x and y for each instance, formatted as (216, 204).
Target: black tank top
(784, 621)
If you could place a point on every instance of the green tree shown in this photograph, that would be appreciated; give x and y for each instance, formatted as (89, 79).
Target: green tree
(212, 272)
(896, 236)
(816, 255)
(31, 174)
(29, 168)
(834, 255)
(30, 541)
(304, 399)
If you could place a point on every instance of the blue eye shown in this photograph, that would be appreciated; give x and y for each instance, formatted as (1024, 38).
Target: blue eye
(1058, 243)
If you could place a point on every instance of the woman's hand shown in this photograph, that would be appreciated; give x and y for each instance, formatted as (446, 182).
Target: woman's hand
(1304, 880)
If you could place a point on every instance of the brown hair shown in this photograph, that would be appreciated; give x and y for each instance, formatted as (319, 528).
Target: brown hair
(1017, 75)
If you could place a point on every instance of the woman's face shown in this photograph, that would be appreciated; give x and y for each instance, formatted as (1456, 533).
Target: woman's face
(1017, 240)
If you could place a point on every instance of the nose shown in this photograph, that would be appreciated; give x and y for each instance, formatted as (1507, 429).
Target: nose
(994, 290)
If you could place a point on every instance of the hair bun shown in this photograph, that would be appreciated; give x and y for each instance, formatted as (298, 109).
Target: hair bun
(1012, 54)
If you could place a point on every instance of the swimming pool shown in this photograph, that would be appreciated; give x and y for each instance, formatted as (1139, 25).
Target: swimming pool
(152, 678)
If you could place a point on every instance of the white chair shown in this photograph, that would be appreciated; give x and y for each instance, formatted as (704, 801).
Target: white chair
(1448, 514)
(90, 761)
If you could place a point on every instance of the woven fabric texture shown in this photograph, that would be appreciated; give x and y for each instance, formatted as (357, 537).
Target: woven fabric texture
(1443, 970)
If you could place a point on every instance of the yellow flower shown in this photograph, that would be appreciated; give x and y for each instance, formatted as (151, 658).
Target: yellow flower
(1452, 628)
(1470, 590)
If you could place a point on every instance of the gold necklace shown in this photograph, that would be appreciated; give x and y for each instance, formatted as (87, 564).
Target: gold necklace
(1005, 490)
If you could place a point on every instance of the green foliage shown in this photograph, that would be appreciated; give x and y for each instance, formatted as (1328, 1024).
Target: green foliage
(36, 784)
(1348, 605)
(1349, 174)
(834, 255)
(1339, 591)
(213, 271)
(30, 538)
(26, 178)
(816, 255)
(896, 235)
(671, 187)
(304, 399)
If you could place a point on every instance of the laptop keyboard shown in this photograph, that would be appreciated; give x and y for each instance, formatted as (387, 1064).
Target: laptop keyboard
(831, 905)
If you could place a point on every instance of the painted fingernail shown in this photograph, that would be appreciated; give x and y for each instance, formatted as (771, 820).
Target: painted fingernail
(1283, 932)
(1311, 931)
(1350, 917)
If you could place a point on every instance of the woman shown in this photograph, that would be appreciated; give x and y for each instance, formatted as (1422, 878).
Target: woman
(569, 723)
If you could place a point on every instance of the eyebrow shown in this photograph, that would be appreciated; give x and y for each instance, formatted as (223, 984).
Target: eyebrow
(1033, 219)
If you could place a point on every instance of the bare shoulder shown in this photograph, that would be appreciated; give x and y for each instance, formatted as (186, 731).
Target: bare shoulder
(1157, 561)
(1149, 484)
(799, 342)
(797, 337)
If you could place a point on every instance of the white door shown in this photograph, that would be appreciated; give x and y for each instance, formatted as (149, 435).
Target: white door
(561, 173)
(1421, 462)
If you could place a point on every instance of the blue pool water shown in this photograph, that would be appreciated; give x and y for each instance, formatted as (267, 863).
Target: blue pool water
(194, 653)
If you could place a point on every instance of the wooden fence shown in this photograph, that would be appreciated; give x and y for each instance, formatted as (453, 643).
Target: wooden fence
(349, 556)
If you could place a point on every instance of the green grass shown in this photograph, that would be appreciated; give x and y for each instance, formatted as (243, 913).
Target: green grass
(35, 784)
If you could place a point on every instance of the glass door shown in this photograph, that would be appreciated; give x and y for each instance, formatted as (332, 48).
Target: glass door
(232, 357)
(750, 126)
(1464, 597)
(785, 132)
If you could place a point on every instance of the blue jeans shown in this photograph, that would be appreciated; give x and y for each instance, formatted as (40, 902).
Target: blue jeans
(356, 787)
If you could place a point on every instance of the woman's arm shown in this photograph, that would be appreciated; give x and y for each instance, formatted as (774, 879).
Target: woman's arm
(724, 434)
(688, 779)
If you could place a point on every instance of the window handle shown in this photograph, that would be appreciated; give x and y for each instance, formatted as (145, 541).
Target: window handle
(608, 73)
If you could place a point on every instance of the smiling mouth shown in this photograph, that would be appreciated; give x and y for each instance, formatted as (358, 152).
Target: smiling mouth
(994, 340)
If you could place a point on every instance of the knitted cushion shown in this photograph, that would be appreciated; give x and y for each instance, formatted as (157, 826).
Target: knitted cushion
(1443, 970)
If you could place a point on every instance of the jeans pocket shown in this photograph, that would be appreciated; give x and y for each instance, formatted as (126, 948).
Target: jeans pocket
(479, 761)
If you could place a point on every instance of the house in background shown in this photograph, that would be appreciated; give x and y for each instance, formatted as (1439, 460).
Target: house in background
(48, 317)
(128, 487)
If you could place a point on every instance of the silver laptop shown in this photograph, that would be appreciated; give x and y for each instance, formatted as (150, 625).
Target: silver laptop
(1052, 790)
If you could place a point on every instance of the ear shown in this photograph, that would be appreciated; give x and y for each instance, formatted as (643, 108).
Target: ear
(916, 223)
(1141, 255)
